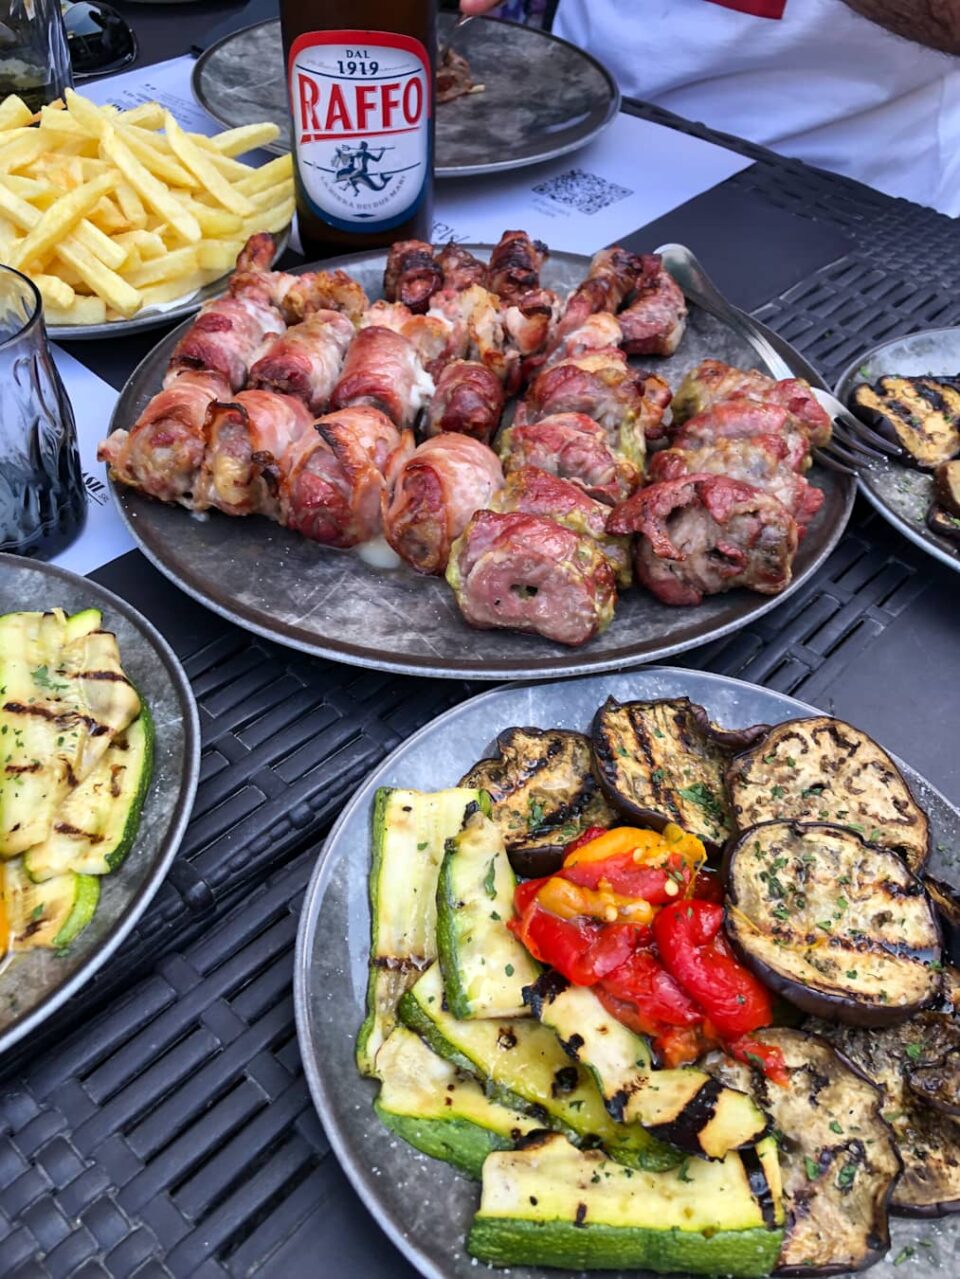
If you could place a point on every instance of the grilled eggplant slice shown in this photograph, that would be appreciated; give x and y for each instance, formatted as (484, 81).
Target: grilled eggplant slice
(922, 414)
(664, 761)
(929, 1142)
(946, 486)
(941, 522)
(544, 794)
(838, 1157)
(835, 925)
(821, 769)
(947, 905)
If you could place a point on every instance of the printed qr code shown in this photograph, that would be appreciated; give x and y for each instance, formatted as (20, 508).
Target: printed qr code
(585, 191)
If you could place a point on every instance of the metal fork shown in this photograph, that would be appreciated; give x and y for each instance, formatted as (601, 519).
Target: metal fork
(462, 21)
(853, 445)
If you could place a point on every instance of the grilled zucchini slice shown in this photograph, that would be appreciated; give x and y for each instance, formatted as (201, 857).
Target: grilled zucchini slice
(410, 831)
(549, 1204)
(521, 1064)
(836, 926)
(838, 1158)
(922, 414)
(663, 761)
(485, 967)
(94, 828)
(685, 1107)
(928, 1141)
(543, 792)
(49, 915)
(824, 770)
(438, 1109)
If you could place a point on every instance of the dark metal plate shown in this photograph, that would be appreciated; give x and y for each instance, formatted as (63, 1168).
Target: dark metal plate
(424, 1206)
(34, 985)
(543, 96)
(331, 604)
(902, 494)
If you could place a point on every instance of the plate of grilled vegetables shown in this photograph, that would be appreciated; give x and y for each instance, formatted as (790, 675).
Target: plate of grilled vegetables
(909, 389)
(491, 463)
(649, 973)
(100, 751)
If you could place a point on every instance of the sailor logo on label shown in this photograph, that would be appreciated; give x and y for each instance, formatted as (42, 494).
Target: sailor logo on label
(361, 118)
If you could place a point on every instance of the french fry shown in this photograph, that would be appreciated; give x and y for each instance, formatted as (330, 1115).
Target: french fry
(273, 172)
(273, 220)
(82, 310)
(107, 284)
(62, 122)
(14, 113)
(148, 115)
(147, 243)
(143, 145)
(214, 222)
(245, 138)
(218, 255)
(21, 150)
(107, 216)
(178, 263)
(153, 193)
(26, 217)
(172, 290)
(54, 291)
(99, 244)
(8, 237)
(59, 220)
(31, 189)
(131, 206)
(194, 159)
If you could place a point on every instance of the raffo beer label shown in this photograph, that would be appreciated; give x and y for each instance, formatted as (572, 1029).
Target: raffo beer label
(361, 117)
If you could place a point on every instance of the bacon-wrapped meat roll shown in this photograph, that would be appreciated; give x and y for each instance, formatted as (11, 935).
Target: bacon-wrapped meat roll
(478, 332)
(629, 405)
(744, 419)
(247, 443)
(412, 274)
(432, 336)
(324, 291)
(599, 332)
(531, 491)
(336, 476)
(438, 488)
(528, 573)
(162, 452)
(460, 268)
(761, 460)
(382, 371)
(468, 399)
(654, 322)
(530, 321)
(712, 382)
(515, 265)
(573, 447)
(305, 360)
(706, 534)
(227, 337)
(612, 275)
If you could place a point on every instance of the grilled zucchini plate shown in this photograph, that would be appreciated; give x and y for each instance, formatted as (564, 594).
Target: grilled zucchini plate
(495, 1070)
(907, 388)
(80, 862)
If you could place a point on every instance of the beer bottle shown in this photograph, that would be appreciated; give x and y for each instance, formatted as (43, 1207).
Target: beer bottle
(360, 75)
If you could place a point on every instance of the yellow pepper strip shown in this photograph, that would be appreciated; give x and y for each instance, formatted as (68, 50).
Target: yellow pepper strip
(653, 848)
(568, 900)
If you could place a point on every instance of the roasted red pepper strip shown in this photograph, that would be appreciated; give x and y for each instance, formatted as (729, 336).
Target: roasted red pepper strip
(655, 884)
(708, 885)
(694, 952)
(581, 949)
(769, 1059)
(588, 836)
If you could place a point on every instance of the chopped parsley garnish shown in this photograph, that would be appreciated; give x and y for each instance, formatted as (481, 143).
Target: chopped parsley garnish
(535, 816)
(914, 1051)
(682, 1174)
(701, 794)
(41, 676)
(846, 1176)
(812, 1168)
(37, 911)
(777, 792)
(509, 970)
(489, 879)
(834, 1126)
(657, 776)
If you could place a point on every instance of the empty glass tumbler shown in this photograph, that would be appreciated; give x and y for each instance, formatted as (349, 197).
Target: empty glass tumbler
(42, 497)
(34, 59)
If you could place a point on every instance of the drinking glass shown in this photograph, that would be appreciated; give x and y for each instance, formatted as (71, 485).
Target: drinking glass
(43, 502)
(34, 60)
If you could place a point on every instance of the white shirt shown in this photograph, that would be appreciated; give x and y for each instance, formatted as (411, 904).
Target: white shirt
(821, 84)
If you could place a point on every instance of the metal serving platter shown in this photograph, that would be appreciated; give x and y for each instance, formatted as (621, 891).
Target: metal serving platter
(34, 985)
(331, 604)
(424, 1206)
(155, 318)
(543, 96)
(902, 494)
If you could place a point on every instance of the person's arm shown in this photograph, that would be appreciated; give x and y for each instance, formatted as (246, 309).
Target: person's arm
(935, 23)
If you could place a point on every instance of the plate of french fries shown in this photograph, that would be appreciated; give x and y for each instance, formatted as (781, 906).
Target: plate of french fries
(124, 220)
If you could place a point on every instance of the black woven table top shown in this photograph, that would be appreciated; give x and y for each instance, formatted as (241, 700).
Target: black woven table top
(162, 1127)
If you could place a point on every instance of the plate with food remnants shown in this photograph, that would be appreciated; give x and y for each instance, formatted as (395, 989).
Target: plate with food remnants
(101, 754)
(124, 220)
(487, 120)
(491, 462)
(650, 972)
(909, 389)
